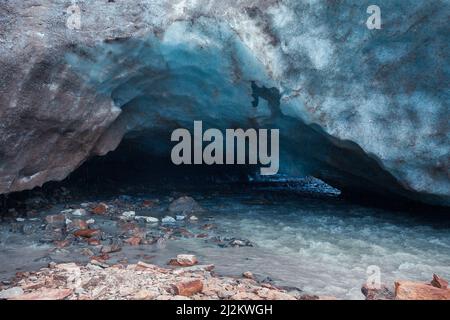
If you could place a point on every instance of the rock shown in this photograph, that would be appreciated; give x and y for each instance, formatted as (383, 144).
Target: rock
(147, 219)
(269, 294)
(45, 294)
(193, 218)
(188, 288)
(90, 221)
(184, 205)
(372, 293)
(197, 268)
(78, 224)
(133, 241)
(409, 290)
(93, 242)
(87, 233)
(145, 295)
(55, 219)
(438, 282)
(128, 215)
(168, 220)
(180, 217)
(79, 212)
(20, 219)
(184, 260)
(248, 275)
(100, 209)
(110, 248)
(245, 296)
(148, 203)
(11, 293)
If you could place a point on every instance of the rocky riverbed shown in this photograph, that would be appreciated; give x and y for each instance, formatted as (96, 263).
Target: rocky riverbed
(311, 243)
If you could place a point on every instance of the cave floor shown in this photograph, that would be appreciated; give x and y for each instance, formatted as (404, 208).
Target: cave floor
(309, 239)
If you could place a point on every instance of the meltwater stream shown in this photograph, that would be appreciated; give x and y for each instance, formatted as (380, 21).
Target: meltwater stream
(322, 245)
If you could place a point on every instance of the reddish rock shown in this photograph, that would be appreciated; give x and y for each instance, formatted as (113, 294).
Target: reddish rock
(184, 260)
(45, 294)
(62, 244)
(439, 282)
(188, 288)
(94, 242)
(202, 235)
(101, 208)
(133, 241)
(409, 290)
(79, 224)
(148, 203)
(87, 233)
(111, 248)
(248, 275)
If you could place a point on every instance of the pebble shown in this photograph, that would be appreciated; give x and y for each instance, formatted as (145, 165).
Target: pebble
(184, 260)
(90, 221)
(20, 219)
(168, 219)
(129, 214)
(147, 219)
(79, 212)
(193, 218)
(180, 217)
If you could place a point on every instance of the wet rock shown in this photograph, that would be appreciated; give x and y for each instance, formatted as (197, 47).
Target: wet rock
(373, 293)
(439, 282)
(184, 260)
(110, 248)
(147, 219)
(100, 209)
(168, 220)
(184, 205)
(233, 242)
(133, 241)
(197, 268)
(208, 226)
(273, 294)
(409, 290)
(78, 224)
(29, 228)
(55, 219)
(180, 217)
(79, 212)
(193, 218)
(87, 233)
(148, 203)
(128, 215)
(188, 288)
(45, 294)
(11, 293)
(62, 243)
(93, 242)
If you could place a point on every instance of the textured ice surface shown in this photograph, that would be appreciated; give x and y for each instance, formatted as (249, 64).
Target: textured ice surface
(364, 109)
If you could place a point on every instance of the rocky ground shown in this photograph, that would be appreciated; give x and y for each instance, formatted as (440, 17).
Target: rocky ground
(95, 236)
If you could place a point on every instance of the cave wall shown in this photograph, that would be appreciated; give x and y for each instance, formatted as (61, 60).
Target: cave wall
(362, 109)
